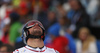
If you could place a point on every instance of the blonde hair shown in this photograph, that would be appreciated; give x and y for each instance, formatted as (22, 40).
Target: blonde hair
(89, 39)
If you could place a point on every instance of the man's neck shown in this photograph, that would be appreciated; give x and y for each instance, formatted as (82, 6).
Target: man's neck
(35, 42)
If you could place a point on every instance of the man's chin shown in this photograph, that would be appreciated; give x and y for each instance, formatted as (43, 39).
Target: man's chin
(37, 35)
(36, 29)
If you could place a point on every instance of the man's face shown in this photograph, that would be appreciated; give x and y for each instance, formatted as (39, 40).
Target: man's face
(3, 49)
(74, 4)
(51, 16)
(36, 30)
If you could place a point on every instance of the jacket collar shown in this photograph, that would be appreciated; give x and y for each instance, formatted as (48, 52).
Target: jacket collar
(37, 49)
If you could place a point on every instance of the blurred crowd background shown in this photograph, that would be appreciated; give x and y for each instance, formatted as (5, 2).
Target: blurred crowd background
(71, 26)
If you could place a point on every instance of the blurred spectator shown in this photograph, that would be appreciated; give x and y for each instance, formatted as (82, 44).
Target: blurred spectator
(91, 6)
(60, 11)
(59, 29)
(52, 33)
(5, 10)
(51, 17)
(23, 7)
(66, 30)
(61, 44)
(87, 42)
(5, 38)
(78, 15)
(58, 42)
(6, 48)
(71, 44)
(1, 43)
(2, 15)
(64, 25)
(15, 27)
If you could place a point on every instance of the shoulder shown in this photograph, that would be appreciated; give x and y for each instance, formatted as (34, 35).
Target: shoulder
(16, 25)
(92, 47)
(18, 50)
(52, 50)
(78, 44)
(92, 44)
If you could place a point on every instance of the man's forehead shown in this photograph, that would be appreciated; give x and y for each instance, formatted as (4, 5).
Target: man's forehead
(33, 22)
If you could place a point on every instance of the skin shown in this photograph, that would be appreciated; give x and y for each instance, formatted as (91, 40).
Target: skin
(35, 30)
(3, 49)
(74, 4)
(62, 21)
(51, 16)
(83, 35)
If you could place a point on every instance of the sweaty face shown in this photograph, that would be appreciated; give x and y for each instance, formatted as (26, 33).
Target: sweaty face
(36, 30)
